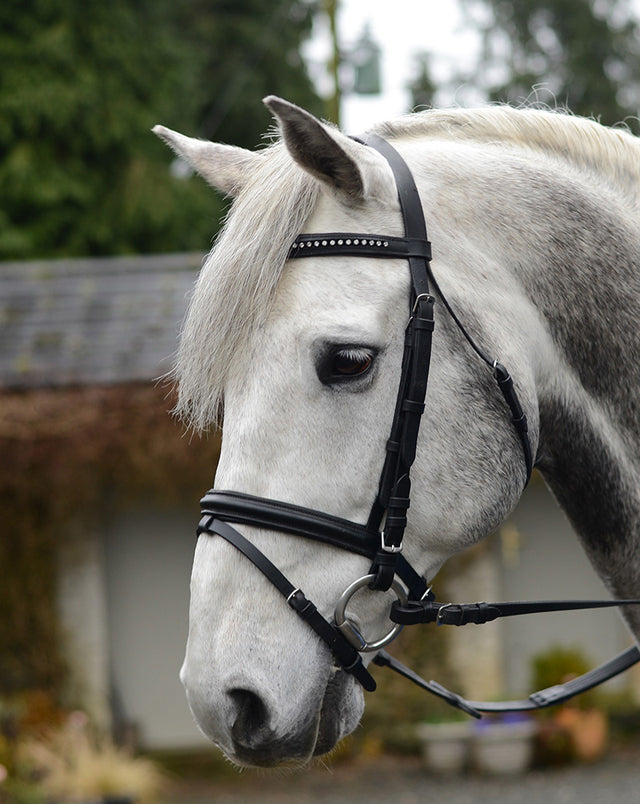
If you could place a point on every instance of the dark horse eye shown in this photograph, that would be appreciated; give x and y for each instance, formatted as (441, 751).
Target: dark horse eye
(344, 363)
(351, 362)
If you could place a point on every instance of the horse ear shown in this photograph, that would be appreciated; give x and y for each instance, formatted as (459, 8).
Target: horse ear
(324, 152)
(225, 167)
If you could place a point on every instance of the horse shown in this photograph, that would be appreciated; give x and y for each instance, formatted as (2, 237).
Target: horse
(534, 217)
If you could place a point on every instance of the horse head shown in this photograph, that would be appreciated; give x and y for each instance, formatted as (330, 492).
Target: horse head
(302, 359)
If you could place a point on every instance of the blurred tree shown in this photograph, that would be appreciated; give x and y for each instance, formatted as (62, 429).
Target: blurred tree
(422, 87)
(585, 53)
(83, 81)
(247, 49)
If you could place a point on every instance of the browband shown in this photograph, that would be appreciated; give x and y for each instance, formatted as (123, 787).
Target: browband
(358, 245)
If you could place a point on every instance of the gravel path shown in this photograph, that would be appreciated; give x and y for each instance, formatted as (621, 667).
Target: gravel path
(615, 780)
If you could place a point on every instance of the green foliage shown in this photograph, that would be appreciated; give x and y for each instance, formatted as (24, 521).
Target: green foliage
(586, 54)
(556, 665)
(560, 664)
(83, 82)
(246, 49)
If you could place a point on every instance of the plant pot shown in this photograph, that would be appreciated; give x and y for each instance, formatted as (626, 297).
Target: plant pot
(445, 746)
(504, 747)
(588, 730)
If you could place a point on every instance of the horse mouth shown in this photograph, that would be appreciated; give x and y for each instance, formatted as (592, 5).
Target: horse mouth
(331, 725)
(318, 734)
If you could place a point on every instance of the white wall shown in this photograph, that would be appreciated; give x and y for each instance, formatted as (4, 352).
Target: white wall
(536, 556)
(148, 564)
(541, 557)
(82, 608)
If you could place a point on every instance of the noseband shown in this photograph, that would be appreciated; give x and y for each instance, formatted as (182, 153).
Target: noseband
(381, 538)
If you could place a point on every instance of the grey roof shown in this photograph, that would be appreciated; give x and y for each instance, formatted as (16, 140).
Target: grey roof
(87, 321)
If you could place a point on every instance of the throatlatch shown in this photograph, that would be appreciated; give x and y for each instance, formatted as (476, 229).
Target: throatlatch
(381, 539)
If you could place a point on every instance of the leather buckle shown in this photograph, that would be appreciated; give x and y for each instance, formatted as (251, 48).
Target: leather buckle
(419, 299)
(389, 548)
(454, 614)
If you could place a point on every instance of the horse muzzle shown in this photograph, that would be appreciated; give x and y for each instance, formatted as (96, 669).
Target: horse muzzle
(252, 727)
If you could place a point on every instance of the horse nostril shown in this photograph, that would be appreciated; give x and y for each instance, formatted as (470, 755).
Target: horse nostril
(251, 724)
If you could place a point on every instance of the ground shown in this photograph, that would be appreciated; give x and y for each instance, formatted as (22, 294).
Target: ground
(404, 781)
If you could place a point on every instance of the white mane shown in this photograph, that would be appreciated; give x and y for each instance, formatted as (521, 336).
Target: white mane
(240, 276)
(614, 152)
(238, 280)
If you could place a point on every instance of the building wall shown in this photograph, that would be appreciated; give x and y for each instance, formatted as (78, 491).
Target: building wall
(541, 557)
(148, 556)
(82, 608)
(535, 556)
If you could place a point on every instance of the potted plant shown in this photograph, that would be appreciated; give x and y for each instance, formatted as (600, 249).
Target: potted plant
(578, 729)
(74, 766)
(445, 743)
(503, 744)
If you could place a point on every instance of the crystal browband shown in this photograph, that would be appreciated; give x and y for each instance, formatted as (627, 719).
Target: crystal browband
(312, 245)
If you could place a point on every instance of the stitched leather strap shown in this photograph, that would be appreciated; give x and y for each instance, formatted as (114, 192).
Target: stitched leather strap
(415, 227)
(394, 488)
(261, 512)
(395, 483)
(503, 379)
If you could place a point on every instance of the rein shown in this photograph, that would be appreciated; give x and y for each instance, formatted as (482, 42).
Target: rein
(381, 538)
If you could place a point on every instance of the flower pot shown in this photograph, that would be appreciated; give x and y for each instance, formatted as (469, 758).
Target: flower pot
(445, 746)
(503, 747)
(588, 730)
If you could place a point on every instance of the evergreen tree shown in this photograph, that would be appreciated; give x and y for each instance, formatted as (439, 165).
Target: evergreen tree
(584, 53)
(247, 49)
(422, 87)
(82, 82)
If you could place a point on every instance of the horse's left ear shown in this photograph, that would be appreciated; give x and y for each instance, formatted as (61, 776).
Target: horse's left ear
(225, 167)
(325, 152)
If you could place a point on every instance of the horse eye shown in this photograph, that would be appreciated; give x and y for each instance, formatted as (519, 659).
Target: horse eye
(345, 363)
(351, 362)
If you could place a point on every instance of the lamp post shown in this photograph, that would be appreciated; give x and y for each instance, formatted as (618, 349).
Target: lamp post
(365, 58)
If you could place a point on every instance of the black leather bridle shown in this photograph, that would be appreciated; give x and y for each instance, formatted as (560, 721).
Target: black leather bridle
(380, 539)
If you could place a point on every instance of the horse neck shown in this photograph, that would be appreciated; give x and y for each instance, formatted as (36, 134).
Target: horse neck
(586, 285)
(571, 246)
